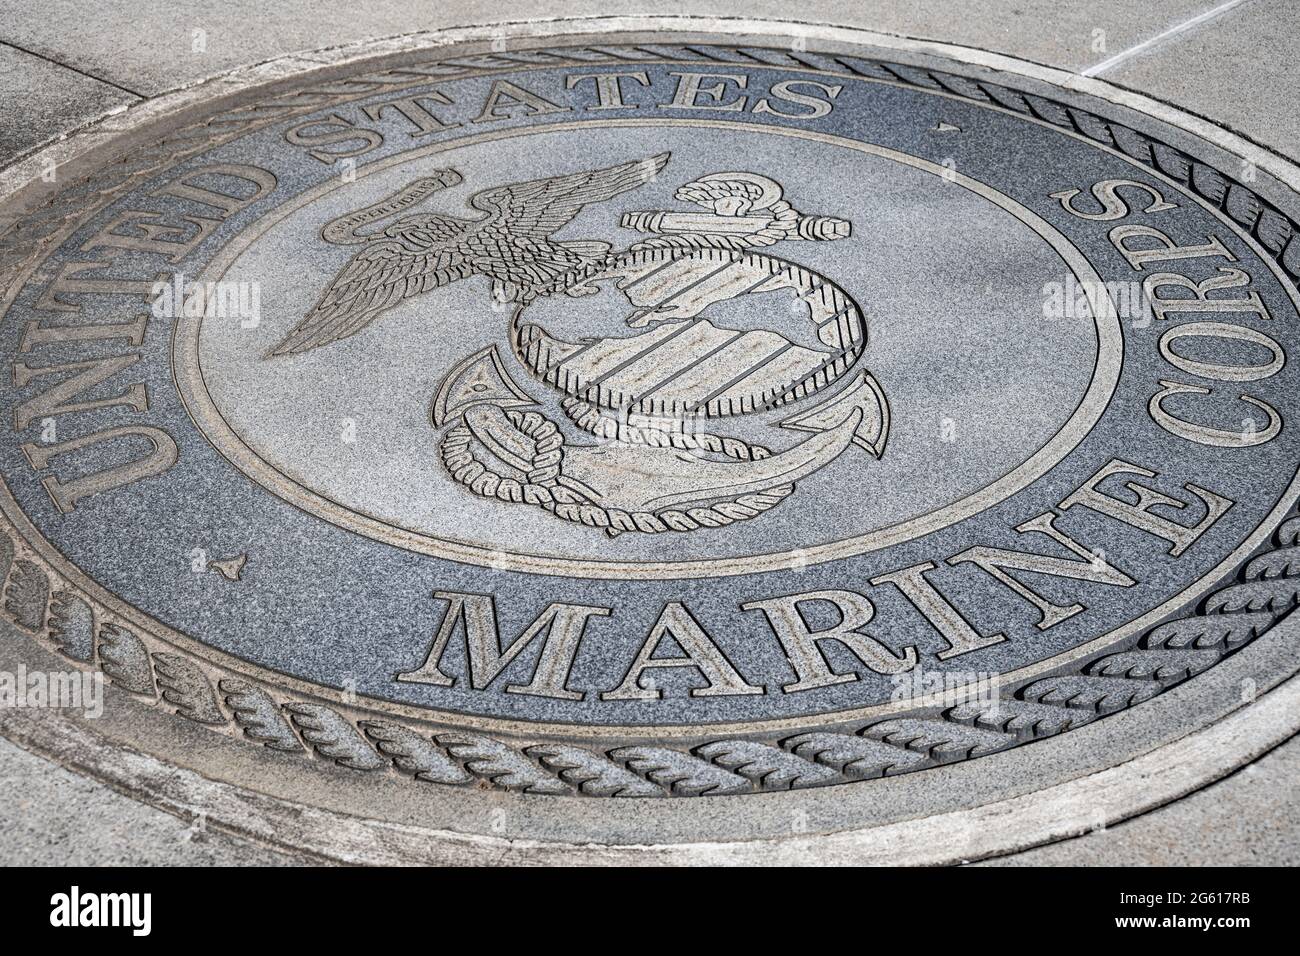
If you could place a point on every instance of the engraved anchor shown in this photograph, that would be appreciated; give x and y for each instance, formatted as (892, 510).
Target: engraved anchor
(647, 395)
(618, 485)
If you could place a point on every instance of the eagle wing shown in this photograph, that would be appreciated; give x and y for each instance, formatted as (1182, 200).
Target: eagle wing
(384, 272)
(535, 209)
(511, 244)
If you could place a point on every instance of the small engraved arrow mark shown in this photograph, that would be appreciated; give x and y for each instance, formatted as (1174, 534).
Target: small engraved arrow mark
(229, 568)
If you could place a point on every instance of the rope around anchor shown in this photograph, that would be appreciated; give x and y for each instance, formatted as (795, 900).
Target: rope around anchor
(590, 419)
(541, 487)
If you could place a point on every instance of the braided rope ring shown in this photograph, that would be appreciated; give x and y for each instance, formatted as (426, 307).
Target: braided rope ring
(541, 487)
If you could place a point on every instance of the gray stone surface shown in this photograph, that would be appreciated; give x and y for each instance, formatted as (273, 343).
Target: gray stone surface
(1251, 818)
(50, 816)
(41, 100)
(935, 335)
(1238, 70)
(149, 46)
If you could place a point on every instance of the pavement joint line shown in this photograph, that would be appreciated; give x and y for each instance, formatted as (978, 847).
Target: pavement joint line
(73, 69)
(1151, 43)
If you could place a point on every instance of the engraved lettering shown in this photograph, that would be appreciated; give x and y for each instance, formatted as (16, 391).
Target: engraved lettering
(1113, 205)
(802, 645)
(413, 108)
(1200, 301)
(690, 88)
(700, 653)
(938, 610)
(226, 203)
(560, 626)
(1204, 434)
(1138, 514)
(66, 282)
(153, 234)
(1168, 248)
(65, 494)
(57, 400)
(609, 88)
(334, 130)
(785, 90)
(1091, 567)
(506, 100)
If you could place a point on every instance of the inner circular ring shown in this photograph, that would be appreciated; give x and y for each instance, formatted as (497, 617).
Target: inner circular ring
(208, 417)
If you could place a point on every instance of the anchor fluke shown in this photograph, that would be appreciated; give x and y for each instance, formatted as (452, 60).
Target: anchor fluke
(478, 379)
(865, 396)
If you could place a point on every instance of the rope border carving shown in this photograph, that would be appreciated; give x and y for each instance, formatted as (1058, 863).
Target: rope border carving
(1262, 592)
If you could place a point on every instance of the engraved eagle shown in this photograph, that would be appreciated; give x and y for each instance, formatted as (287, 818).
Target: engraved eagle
(511, 244)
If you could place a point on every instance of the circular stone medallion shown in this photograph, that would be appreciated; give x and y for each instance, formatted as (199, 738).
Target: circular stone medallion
(649, 414)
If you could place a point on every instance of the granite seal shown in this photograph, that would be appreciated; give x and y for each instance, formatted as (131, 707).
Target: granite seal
(641, 411)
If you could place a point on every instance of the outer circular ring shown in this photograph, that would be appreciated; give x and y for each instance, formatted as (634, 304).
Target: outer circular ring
(1176, 744)
(226, 664)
